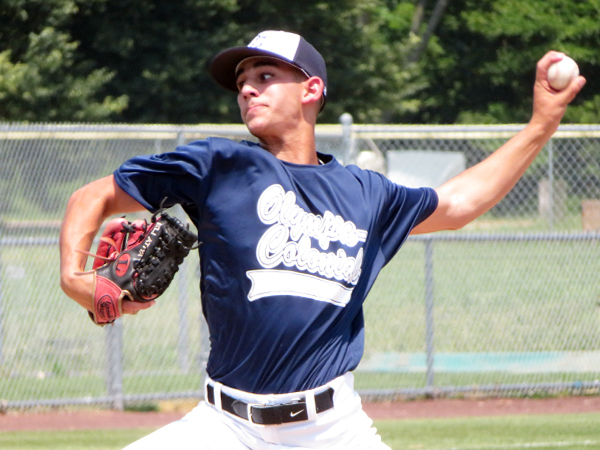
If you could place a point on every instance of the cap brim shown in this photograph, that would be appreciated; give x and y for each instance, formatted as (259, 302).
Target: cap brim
(222, 67)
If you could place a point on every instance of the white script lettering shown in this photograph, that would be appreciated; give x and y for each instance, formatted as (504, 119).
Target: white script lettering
(288, 240)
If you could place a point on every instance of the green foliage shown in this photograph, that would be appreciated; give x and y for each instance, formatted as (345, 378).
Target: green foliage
(159, 52)
(146, 61)
(142, 407)
(38, 78)
(481, 66)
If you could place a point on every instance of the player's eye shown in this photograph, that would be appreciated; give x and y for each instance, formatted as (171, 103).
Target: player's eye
(240, 83)
(260, 77)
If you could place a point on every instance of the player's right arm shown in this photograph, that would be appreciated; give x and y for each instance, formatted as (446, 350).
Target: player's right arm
(476, 190)
(87, 209)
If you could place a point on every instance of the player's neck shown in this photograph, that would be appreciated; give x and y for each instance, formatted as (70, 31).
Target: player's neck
(297, 148)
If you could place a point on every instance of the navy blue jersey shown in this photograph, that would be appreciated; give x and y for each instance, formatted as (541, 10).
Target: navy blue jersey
(288, 254)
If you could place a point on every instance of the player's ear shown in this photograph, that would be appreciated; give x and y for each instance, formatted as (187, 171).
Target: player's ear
(313, 91)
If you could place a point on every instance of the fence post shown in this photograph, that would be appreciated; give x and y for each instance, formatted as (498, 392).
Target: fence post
(1, 302)
(346, 121)
(551, 184)
(204, 349)
(114, 372)
(182, 298)
(182, 345)
(429, 310)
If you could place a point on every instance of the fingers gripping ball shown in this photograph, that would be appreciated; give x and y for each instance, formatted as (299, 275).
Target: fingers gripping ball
(561, 73)
(137, 261)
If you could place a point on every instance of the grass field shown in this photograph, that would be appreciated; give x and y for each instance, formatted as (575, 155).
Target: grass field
(575, 431)
(489, 297)
(508, 296)
(572, 431)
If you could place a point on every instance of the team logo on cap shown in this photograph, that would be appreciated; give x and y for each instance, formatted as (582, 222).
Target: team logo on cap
(258, 41)
(279, 42)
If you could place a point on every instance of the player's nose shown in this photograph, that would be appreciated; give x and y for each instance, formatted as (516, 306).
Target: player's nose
(247, 91)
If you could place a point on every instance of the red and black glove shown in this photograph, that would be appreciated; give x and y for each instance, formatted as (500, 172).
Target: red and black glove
(137, 261)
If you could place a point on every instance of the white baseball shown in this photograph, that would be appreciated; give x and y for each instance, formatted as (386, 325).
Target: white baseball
(561, 73)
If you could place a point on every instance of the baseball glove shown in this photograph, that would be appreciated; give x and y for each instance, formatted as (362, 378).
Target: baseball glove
(137, 261)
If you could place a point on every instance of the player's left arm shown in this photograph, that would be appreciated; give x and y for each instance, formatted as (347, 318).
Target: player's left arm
(88, 207)
(477, 189)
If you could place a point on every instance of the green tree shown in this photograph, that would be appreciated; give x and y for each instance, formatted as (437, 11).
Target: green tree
(159, 52)
(396, 61)
(38, 78)
(481, 63)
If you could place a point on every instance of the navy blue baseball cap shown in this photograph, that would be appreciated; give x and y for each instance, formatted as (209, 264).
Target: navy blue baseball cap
(282, 45)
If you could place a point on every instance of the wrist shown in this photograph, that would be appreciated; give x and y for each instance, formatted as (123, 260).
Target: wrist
(540, 131)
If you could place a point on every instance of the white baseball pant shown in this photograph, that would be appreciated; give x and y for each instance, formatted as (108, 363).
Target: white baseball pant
(208, 427)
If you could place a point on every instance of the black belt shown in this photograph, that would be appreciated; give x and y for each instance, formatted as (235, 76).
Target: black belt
(271, 414)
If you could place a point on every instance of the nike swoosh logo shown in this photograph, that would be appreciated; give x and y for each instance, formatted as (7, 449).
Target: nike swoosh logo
(296, 413)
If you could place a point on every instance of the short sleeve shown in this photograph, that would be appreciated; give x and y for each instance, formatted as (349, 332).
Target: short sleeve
(402, 209)
(180, 177)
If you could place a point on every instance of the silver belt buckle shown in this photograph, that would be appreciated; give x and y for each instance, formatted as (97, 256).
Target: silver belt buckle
(249, 411)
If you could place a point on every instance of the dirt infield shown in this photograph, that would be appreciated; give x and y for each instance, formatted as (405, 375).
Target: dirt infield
(97, 419)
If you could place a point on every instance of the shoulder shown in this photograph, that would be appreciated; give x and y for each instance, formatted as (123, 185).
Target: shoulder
(369, 177)
(219, 145)
(380, 186)
(216, 150)
(228, 149)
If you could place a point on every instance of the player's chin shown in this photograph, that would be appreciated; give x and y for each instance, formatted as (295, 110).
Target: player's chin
(256, 126)
(255, 114)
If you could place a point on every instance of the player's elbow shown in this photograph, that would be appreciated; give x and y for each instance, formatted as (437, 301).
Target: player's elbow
(455, 210)
(65, 286)
(78, 288)
(438, 222)
(67, 283)
(458, 225)
(461, 220)
(462, 209)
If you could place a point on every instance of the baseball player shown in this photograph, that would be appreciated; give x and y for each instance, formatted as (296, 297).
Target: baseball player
(291, 243)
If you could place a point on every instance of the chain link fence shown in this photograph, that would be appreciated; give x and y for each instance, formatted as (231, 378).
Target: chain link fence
(507, 306)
